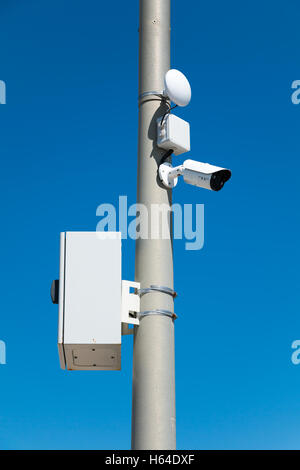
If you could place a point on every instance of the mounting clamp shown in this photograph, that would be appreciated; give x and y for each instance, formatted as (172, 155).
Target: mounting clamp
(130, 306)
(165, 313)
(152, 288)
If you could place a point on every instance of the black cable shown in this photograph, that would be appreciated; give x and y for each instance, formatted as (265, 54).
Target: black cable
(169, 152)
(166, 156)
(167, 112)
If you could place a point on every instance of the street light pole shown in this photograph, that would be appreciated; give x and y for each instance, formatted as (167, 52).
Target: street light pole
(153, 402)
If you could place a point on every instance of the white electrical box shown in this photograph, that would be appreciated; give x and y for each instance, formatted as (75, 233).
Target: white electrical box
(173, 133)
(90, 301)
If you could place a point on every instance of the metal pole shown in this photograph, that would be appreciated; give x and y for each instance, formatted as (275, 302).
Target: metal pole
(153, 410)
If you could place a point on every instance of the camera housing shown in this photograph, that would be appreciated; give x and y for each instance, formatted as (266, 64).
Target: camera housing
(202, 175)
(205, 175)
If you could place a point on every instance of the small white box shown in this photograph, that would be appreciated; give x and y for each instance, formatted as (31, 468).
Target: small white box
(89, 329)
(173, 133)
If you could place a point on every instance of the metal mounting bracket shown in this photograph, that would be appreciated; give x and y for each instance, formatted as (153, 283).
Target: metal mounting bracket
(148, 94)
(152, 93)
(162, 289)
(165, 313)
(130, 306)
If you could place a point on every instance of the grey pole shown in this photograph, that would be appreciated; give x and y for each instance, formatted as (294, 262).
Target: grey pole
(153, 410)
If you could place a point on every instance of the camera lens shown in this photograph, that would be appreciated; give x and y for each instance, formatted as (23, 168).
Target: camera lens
(219, 178)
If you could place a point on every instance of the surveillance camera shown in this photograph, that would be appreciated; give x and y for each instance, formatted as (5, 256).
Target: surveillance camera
(198, 174)
(205, 175)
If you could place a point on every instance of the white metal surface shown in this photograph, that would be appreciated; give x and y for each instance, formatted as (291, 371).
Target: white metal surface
(90, 301)
(169, 175)
(196, 178)
(130, 306)
(173, 133)
(205, 168)
(61, 352)
(177, 87)
(198, 173)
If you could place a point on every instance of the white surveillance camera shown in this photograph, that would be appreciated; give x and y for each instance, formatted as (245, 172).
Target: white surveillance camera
(205, 175)
(198, 174)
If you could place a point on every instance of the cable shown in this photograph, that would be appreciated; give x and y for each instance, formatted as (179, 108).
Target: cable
(165, 156)
(167, 112)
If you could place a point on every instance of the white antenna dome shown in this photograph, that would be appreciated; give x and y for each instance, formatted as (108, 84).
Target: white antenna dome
(177, 87)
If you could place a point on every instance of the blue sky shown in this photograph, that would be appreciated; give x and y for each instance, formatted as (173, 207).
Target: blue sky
(70, 120)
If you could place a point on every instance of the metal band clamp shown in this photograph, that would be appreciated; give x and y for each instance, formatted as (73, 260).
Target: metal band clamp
(152, 288)
(165, 313)
(150, 93)
(159, 94)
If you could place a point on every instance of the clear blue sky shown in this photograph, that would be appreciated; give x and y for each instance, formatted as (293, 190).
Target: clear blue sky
(67, 125)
